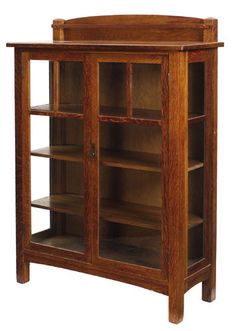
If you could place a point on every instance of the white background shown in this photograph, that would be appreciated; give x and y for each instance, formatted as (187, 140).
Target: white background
(57, 299)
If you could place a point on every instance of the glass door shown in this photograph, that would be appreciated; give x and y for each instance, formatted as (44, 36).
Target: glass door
(130, 117)
(57, 157)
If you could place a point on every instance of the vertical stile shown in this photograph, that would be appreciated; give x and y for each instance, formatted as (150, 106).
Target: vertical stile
(55, 85)
(164, 158)
(91, 164)
(129, 90)
(22, 121)
(178, 182)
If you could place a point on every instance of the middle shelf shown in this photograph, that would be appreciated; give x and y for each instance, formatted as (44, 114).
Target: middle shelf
(110, 210)
(118, 159)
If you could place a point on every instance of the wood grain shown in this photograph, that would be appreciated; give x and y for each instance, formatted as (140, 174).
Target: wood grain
(67, 242)
(158, 262)
(58, 31)
(209, 285)
(111, 211)
(91, 165)
(107, 46)
(72, 153)
(178, 154)
(115, 273)
(118, 159)
(64, 108)
(22, 164)
(134, 27)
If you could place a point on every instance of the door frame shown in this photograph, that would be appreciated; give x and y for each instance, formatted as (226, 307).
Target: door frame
(93, 62)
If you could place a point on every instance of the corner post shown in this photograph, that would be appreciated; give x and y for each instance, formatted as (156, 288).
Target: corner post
(211, 34)
(58, 31)
(178, 182)
(23, 207)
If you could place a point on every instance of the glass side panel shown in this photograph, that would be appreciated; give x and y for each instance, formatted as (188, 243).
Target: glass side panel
(196, 72)
(130, 194)
(196, 194)
(57, 182)
(146, 91)
(56, 86)
(39, 85)
(57, 230)
(112, 94)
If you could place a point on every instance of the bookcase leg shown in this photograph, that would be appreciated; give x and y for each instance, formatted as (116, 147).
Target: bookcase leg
(176, 307)
(22, 272)
(209, 289)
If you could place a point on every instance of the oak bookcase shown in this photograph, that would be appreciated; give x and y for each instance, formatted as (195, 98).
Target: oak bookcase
(129, 144)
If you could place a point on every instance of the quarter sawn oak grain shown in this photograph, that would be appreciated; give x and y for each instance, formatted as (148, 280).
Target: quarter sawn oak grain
(101, 222)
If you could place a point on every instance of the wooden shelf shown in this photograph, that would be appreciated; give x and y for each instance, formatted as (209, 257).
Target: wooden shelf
(131, 160)
(110, 114)
(129, 250)
(131, 214)
(61, 152)
(143, 251)
(148, 114)
(68, 242)
(64, 110)
(117, 159)
(61, 203)
(137, 112)
(111, 211)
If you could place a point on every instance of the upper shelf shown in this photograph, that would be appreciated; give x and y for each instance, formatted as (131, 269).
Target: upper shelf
(117, 159)
(113, 114)
(107, 45)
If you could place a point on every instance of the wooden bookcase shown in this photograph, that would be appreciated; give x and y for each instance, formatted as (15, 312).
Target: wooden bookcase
(129, 118)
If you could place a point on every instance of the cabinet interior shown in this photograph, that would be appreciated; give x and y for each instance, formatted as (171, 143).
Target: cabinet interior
(130, 171)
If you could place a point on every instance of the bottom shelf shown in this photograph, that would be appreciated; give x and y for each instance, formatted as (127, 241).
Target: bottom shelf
(65, 241)
(132, 250)
(123, 249)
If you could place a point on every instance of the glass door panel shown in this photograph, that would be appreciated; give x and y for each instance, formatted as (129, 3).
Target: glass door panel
(146, 92)
(112, 92)
(71, 86)
(130, 193)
